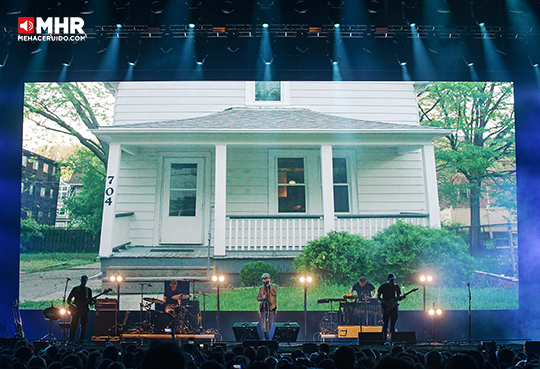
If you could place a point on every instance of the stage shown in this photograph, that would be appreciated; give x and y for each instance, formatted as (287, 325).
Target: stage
(452, 327)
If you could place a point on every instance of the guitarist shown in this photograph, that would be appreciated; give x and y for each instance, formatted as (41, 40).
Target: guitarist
(82, 299)
(389, 294)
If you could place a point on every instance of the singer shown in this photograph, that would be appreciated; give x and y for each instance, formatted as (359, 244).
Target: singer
(267, 298)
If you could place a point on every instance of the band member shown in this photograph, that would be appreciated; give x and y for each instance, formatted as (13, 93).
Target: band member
(79, 301)
(389, 294)
(363, 289)
(267, 298)
(171, 291)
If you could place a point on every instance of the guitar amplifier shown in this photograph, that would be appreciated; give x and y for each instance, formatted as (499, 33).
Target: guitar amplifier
(105, 322)
(106, 304)
(351, 331)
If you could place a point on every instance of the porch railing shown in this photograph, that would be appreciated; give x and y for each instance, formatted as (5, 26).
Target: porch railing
(121, 235)
(369, 225)
(271, 232)
(245, 232)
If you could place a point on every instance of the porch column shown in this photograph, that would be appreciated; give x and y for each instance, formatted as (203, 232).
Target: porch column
(327, 185)
(432, 196)
(220, 205)
(109, 206)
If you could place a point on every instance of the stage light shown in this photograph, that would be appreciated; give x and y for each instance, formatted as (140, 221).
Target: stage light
(227, 7)
(116, 278)
(118, 25)
(482, 25)
(156, 7)
(305, 282)
(191, 25)
(218, 280)
(413, 25)
(63, 311)
(425, 279)
(337, 25)
(301, 7)
(265, 25)
(5, 60)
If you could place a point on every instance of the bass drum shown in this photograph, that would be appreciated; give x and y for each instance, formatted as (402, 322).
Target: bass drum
(193, 314)
(161, 322)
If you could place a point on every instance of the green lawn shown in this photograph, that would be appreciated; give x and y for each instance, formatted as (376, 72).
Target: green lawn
(39, 262)
(292, 298)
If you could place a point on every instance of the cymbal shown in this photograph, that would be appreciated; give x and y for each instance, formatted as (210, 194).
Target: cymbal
(153, 300)
(181, 296)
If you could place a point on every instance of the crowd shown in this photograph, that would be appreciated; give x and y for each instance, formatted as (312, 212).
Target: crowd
(169, 355)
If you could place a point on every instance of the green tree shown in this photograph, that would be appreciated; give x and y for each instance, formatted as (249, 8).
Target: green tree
(86, 207)
(338, 257)
(71, 109)
(478, 158)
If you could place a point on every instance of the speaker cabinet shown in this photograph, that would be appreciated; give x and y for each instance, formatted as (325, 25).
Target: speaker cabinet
(284, 332)
(404, 337)
(105, 317)
(247, 331)
(370, 338)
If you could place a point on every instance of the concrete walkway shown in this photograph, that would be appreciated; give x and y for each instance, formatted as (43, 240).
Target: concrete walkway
(50, 285)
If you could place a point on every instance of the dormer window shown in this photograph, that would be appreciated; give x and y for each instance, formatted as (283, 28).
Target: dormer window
(267, 93)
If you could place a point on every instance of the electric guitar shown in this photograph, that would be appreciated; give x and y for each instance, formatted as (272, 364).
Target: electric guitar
(387, 307)
(73, 308)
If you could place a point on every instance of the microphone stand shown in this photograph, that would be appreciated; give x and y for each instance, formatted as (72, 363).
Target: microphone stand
(470, 298)
(266, 304)
(65, 309)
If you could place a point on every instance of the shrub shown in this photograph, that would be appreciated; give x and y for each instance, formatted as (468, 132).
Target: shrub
(406, 250)
(250, 274)
(30, 231)
(338, 257)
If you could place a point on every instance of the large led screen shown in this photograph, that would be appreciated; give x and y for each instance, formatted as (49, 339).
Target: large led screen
(339, 180)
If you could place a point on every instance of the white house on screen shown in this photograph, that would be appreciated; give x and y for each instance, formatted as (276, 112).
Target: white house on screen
(253, 166)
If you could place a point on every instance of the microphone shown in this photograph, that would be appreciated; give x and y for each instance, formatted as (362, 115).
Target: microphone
(149, 285)
(69, 279)
(469, 284)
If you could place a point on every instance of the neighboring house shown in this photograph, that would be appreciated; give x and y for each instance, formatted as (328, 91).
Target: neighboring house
(263, 167)
(39, 188)
(67, 189)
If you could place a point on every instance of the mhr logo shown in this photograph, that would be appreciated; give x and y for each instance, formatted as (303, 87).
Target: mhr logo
(56, 25)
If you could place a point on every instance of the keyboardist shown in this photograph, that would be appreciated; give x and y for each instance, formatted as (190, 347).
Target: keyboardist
(363, 289)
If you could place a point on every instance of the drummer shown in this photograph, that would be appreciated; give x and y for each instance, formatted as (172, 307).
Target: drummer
(168, 300)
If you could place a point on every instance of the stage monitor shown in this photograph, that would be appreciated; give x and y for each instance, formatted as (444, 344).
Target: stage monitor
(284, 332)
(247, 331)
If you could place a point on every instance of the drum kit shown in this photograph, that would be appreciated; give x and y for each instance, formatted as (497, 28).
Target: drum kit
(183, 317)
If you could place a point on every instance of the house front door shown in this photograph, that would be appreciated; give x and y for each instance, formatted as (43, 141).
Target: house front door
(183, 205)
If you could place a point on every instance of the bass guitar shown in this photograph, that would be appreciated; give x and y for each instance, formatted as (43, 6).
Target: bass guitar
(387, 307)
(73, 308)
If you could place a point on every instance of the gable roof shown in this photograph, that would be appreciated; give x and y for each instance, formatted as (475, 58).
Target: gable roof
(268, 119)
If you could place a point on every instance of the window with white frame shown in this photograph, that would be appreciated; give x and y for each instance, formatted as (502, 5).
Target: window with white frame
(35, 164)
(341, 185)
(42, 191)
(24, 160)
(291, 185)
(45, 168)
(267, 93)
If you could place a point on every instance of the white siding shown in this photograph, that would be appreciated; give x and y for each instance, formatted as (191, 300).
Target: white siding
(389, 183)
(137, 193)
(247, 181)
(390, 102)
(138, 102)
